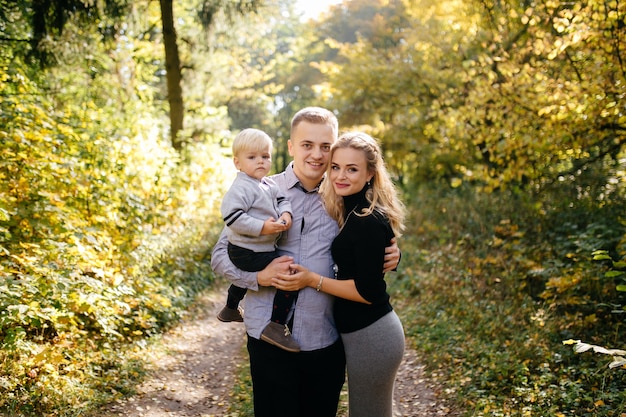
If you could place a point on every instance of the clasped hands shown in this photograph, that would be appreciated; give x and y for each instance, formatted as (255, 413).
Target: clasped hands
(285, 275)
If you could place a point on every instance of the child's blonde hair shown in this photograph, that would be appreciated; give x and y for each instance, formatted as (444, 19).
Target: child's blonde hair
(252, 140)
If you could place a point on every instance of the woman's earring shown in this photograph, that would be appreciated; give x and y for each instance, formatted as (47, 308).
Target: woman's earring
(369, 193)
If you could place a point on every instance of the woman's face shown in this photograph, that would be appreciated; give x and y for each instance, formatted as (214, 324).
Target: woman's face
(348, 171)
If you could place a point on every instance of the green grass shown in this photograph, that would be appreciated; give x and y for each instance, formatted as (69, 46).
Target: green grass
(241, 404)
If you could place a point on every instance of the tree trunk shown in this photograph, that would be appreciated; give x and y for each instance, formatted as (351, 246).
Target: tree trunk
(173, 72)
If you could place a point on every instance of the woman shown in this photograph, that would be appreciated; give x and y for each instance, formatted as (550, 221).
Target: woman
(360, 195)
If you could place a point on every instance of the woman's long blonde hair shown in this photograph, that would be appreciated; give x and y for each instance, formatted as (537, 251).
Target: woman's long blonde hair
(383, 196)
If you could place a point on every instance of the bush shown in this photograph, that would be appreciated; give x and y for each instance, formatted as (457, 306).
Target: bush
(103, 243)
(477, 295)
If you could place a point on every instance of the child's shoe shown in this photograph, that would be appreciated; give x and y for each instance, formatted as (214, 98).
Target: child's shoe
(230, 314)
(279, 335)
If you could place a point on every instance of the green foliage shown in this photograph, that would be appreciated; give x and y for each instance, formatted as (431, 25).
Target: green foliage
(472, 295)
(494, 93)
(268, 70)
(616, 270)
(103, 242)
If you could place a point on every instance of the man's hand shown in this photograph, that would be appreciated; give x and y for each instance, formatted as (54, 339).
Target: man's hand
(297, 278)
(279, 265)
(392, 256)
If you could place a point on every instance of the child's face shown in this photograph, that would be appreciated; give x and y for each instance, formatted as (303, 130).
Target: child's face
(255, 163)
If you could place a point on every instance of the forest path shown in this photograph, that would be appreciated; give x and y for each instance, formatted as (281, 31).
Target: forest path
(193, 374)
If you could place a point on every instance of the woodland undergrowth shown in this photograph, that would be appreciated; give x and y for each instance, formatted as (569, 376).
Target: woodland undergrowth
(104, 240)
(489, 288)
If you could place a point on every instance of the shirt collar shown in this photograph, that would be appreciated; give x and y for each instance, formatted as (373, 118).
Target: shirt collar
(293, 181)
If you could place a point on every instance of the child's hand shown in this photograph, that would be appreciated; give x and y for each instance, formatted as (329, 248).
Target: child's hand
(285, 218)
(271, 226)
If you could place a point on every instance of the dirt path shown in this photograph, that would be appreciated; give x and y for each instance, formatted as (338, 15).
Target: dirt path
(194, 374)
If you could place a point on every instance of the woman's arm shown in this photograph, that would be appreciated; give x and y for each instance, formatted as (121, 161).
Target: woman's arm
(304, 278)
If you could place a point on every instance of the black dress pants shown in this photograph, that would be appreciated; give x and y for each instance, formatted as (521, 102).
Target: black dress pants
(301, 384)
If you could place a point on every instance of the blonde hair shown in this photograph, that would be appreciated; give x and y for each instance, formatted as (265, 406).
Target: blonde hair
(316, 115)
(251, 140)
(384, 195)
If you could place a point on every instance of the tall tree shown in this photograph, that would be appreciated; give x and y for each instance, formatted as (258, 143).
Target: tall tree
(49, 17)
(393, 62)
(173, 72)
(210, 10)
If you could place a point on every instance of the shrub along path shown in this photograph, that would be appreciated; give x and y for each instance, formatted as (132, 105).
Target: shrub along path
(192, 375)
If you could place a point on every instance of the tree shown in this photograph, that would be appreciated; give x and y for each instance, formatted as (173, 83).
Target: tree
(173, 72)
(405, 56)
(49, 17)
(258, 73)
(209, 10)
(503, 93)
(539, 100)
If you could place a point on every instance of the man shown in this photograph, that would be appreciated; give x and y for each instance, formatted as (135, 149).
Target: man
(307, 383)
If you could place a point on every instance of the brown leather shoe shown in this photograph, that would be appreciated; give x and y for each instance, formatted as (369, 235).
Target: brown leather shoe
(279, 335)
(230, 314)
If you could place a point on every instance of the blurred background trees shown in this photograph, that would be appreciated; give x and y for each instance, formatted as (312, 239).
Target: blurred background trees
(503, 122)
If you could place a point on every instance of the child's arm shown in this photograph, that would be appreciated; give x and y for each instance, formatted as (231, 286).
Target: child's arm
(284, 208)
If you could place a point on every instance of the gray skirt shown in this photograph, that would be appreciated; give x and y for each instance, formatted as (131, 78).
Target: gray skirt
(373, 356)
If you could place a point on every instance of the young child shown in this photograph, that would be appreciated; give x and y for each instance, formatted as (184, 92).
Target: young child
(255, 212)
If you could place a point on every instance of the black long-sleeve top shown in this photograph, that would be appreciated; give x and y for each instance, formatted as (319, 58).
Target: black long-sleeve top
(359, 252)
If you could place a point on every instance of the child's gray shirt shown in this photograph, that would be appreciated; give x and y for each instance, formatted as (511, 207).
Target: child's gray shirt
(246, 206)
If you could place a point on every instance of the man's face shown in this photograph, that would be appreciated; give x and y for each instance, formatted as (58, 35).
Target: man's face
(309, 147)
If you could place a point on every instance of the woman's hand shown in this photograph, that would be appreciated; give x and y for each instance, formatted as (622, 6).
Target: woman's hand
(302, 277)
(298, 278)
(392, 256)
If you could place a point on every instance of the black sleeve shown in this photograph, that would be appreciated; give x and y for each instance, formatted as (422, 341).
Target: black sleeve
(371, 239)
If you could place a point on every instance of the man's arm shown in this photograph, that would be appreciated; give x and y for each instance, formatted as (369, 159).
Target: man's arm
(221, 264)
(392, 256)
